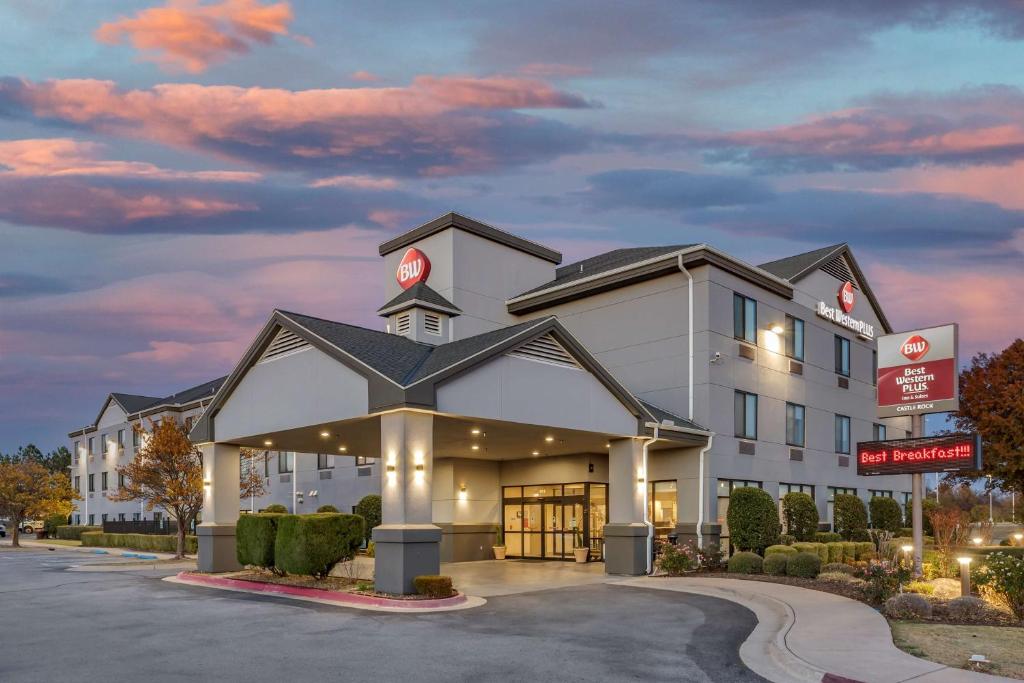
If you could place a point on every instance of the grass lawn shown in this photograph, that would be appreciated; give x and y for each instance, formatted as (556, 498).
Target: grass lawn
(61, 541)
(952, 645)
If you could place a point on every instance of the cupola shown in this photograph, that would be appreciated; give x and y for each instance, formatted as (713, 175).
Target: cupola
(421, 314)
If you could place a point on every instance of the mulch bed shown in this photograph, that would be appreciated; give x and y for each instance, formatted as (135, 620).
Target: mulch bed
(336, 584)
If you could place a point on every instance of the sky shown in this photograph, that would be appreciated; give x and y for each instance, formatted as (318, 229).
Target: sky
(172, 172)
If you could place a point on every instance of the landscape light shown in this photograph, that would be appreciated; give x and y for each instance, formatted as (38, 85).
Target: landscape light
(976, 540)
(343, 448)
(907, 548)
(963, 560)
(475, 447)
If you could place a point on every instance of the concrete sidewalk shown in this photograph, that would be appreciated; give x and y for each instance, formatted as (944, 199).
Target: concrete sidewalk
(808, 635)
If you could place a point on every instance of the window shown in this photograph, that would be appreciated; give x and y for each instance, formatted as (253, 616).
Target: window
(746, 415)
(842, 434)
(78, 483)
(92, 486)
(794, 424)
(103, 481)
(103, 517)
(834, 491)
(794, 338)
(78, 519)
(725, 487)
(879, 494)
(103, 445)
(136, 516)
(92, 445)
(120, 480)
(120, 517)
(796, 488)
(266, 463)
(188, 423)
(78, 447)
(92, 520)
(842, 356)
(363, 460)
(285, 462)
(158, 516)
(136, 438)
(324, 461)
(661, 507)
(120, 438)
(878, 432)
(874, 368)
(744, 318)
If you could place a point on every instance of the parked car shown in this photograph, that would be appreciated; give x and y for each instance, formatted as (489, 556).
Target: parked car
(3, 530)
(30, 526)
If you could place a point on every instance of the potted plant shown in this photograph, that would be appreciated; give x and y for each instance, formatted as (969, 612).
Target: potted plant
(580, 551)
(499, 545)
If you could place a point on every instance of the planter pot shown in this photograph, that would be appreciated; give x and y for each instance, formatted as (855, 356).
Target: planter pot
(499, 552)
(581, 554)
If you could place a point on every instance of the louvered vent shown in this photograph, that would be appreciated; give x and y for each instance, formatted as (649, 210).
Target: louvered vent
(432, 323)
(545, 349)
(840, 270)
(403, 323)
(286, 342)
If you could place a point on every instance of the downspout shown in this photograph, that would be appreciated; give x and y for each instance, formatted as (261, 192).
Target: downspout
(647, 516)
(689, 332)
(700, 492)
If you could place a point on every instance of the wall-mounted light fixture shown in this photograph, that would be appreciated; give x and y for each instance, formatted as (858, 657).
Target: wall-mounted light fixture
(419, 467)
(206, 482)
(777, 328)
(462, 492)
(536, 453)
(390, 468)
(268, 442)
(475, 447)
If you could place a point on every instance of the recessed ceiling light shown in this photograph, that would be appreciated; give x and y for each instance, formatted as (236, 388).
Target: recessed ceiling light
(607, 445)
(475, 447)
(536, 452)
(549, 439)
(325, 434)
(342, 448)
(474, 431)
(268, 442)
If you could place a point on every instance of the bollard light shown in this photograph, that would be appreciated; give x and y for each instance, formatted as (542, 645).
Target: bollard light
(1018, 537)
(976, 540)
(907, 548)
(965, 575)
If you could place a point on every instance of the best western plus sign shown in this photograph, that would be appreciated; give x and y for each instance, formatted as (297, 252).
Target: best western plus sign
(917, 372)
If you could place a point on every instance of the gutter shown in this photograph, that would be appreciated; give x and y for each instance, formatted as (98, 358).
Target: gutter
(647, 516)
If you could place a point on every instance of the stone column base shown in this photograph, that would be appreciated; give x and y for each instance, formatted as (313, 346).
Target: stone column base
(625, 549)
(403, 552)
(687, 532)
(217, 548)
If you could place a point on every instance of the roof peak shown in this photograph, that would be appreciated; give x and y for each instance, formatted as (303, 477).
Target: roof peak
(419, 295)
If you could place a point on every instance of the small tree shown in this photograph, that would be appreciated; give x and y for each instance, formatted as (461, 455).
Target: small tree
(167, 472)
(885, 514)
(252, 484)
(753, 519)
(28, 490)
(369, 508)
(951, 529)
(800, 515)
(851, 516)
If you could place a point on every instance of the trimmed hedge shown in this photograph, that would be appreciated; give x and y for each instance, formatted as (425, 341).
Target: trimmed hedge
(827, 537)
(800, 515)
(433, 586)
(312, 544)
(819, 549)
(885, 514)
(840, 567)
(865, 551)
(851, 516)
(71, 532)
(746, 563)
(803, 565)
(753, 519)
(835, 551)
(775, 564)
(849, 551)
(327, 508)
(255, 536)
(159, 543)
(276, 508)
(369, 508)
(779, 550)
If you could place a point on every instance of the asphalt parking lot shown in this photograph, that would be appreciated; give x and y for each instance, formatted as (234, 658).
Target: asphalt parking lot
(129, 626)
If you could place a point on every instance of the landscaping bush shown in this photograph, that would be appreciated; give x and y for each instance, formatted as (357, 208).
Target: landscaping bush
(968, 608)
(849, 551)
(786, 539)
(746, 563)
(710, 556)
(905, 532)
(753, 519)
(312, 544)
(839, 577)
(922, 587)
(827, 537)
(371, 549)
(907, 606)
(52, 523)
(276, 508)
(675, 561)
(779, 549)
(775, 564)
(433, 586)
(927, 505)
(851, 516)
(883, 580)
(369, 508)
(327, 508)
(74, 532)
(885, 514)
(255, 537)
(835, 551)
(800, 515)
(1002, 578)
(865, 550)
(803, 565)
(158, 543)
(818, 548)
(841, 567)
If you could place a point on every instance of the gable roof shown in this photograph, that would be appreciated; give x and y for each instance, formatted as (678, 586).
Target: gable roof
(475, 227)
(662, 416)
(132, 403)
(421, 295)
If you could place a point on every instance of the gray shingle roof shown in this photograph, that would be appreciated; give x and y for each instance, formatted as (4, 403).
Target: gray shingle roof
(133, 403)
(660, 414)
(419, 292)
(605, 262)
(204, 390)
(792, 266)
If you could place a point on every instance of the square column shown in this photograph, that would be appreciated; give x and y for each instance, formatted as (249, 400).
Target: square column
(407, 543)
(625, 534)
(221, 477)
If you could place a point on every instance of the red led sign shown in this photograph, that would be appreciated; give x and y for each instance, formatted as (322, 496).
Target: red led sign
(947, 453)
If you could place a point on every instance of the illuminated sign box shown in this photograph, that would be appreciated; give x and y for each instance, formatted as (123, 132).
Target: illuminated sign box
(917, 372)
(946, 453)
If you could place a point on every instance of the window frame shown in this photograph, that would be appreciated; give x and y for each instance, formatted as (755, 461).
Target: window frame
(843, 352)
(879, 432)
(843, 420)
(792, 323)
(364, 460)
(103, 481)
(741, 399)
(803, 425)
(324, 461)
(92, 482)
(744, 318)
(285, 464)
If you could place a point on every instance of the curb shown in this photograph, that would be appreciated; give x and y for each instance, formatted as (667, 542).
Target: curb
(364, 602)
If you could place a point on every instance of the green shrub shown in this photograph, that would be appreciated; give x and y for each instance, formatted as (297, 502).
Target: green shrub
(885, 514)
(369, 508)
(786, 539)
(276, 508)
(775, 564)
(968, 608)
(371, 549)
(433, 586)
(927, 505)
(74, 532)
(312, 544)
(52, 523)
(158, 543)
(1002, 577)
(255, 536)
(327, 508)
(800, 515)
(907, 606)
(779, 549)
(820, 549)
(833, 567)
(746, 563)
(753, 519)
(675, 561)
(865, 550)
(835, 551)
(849, 551)
(803, 565)
(905, 531)
(827, 537)
(839, 577)
(851, 516)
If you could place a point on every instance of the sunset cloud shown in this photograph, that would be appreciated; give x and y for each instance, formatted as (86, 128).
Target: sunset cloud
(188, 35)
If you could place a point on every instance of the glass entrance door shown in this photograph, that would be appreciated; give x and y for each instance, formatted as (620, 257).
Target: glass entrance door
(533, 536)
(545, 522)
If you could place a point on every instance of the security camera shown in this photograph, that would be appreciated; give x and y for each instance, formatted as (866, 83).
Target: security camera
(717, 357)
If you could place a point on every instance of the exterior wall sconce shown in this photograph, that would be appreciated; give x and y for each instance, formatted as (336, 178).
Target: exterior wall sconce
(419, 467)
(776, 328)
(206, 482)
(462, 492)
(390, 468)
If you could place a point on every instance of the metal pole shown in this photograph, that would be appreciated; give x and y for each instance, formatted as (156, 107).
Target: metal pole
(917, 515)
(990, 499)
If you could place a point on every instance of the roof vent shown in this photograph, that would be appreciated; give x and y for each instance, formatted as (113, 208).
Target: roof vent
(403, 324)
(285, 343)
(840, 270)
(545, 349)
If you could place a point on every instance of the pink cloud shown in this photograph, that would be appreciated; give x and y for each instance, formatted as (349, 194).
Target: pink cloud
(356, 182)
(364, 76)
(188, 35)
(997, 184)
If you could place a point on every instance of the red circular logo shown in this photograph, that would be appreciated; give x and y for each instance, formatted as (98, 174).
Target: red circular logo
(915, 347)
(414, 267)
(845, 297)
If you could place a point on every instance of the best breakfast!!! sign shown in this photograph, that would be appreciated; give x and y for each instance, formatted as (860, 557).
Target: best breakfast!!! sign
(947, 453)
(917, 372)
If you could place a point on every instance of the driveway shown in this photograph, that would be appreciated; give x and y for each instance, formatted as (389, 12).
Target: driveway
(102, 626)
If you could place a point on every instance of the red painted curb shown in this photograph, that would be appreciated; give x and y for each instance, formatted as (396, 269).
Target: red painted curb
(350, 599)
